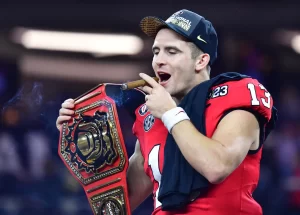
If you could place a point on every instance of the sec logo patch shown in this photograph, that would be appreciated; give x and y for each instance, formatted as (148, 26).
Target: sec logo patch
(148, 122)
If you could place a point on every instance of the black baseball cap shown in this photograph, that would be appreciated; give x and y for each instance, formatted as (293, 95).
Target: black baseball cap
(192, 26)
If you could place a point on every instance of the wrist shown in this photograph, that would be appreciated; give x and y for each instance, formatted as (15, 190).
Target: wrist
(173, 116)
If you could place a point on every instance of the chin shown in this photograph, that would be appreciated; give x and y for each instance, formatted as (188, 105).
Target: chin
(168, 90)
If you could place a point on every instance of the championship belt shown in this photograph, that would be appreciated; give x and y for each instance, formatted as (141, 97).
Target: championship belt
(92, 145)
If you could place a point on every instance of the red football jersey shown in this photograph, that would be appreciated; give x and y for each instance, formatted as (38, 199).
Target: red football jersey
(234, 194)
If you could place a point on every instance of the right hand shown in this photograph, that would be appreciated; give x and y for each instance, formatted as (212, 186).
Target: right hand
(65, 112)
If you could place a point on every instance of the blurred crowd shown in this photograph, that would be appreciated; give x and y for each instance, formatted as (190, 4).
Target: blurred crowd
(33, 179)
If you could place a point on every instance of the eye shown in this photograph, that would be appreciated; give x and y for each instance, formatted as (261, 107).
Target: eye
(155, 51)
(172, 51)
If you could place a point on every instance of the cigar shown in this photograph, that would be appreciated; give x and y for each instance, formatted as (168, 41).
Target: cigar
(135, 84)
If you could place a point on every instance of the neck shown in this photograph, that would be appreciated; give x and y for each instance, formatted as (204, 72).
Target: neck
(177, 101)
(201, 77)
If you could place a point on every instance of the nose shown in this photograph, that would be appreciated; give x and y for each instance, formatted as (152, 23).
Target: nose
(160, 59)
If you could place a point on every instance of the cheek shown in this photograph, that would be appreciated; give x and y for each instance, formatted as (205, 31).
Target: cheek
(153, 63)
(184, 76)
(182, 72)
(179, 80)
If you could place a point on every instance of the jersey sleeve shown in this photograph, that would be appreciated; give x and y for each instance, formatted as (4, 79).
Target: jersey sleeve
(137, 128)
(134, 131)
(139, 113)
(246, 94)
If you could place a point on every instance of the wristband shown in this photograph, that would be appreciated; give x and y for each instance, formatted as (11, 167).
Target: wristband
(174, 116)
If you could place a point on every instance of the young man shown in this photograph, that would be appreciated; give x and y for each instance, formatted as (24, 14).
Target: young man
(199, 139)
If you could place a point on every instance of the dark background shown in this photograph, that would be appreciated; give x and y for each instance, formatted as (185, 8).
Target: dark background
(254, 38)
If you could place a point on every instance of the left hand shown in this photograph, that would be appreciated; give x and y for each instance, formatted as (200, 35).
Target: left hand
(158, 100)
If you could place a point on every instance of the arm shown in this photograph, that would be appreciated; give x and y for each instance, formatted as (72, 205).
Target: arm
(139, 184)
(217, 157)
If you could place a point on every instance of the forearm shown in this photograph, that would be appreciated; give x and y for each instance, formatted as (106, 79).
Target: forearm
(139, 185)
(138, 192)
(204, 154)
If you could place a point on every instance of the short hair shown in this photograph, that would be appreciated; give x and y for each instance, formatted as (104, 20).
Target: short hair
(195, 52)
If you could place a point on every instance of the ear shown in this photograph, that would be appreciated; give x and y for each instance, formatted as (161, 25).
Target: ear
(201, 62)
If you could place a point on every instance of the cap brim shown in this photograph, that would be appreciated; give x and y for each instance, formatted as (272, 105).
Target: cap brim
(150, 25)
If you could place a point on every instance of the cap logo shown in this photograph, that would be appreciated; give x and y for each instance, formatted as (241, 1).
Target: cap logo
(180, 21)
(178, 13)
(199, 38)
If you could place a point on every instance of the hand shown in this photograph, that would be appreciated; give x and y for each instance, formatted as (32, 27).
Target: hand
(65, 112)
(158, 100)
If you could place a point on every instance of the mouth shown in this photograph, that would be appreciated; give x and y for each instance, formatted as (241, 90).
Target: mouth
(163, 77)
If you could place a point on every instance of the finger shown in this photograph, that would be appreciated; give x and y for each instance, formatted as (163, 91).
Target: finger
(70, 100)
(149, 80)
(65, 112)
(147, 97)
(147, 89)
(68, 105)
(62, 119)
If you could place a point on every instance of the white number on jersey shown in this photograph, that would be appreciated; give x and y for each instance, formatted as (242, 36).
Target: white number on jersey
(266, 101)
(220, 91)
(154, 165)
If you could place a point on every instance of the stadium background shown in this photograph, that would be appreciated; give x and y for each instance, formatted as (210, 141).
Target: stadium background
(259, 38)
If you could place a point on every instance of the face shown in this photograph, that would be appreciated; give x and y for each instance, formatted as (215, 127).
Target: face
(172, 63)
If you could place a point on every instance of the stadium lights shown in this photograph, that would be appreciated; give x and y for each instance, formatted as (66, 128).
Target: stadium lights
(97, 44)
(288, 38)
(295, 43)
(68, 68)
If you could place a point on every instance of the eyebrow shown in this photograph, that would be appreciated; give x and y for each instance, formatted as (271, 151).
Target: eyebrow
(166, 47)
